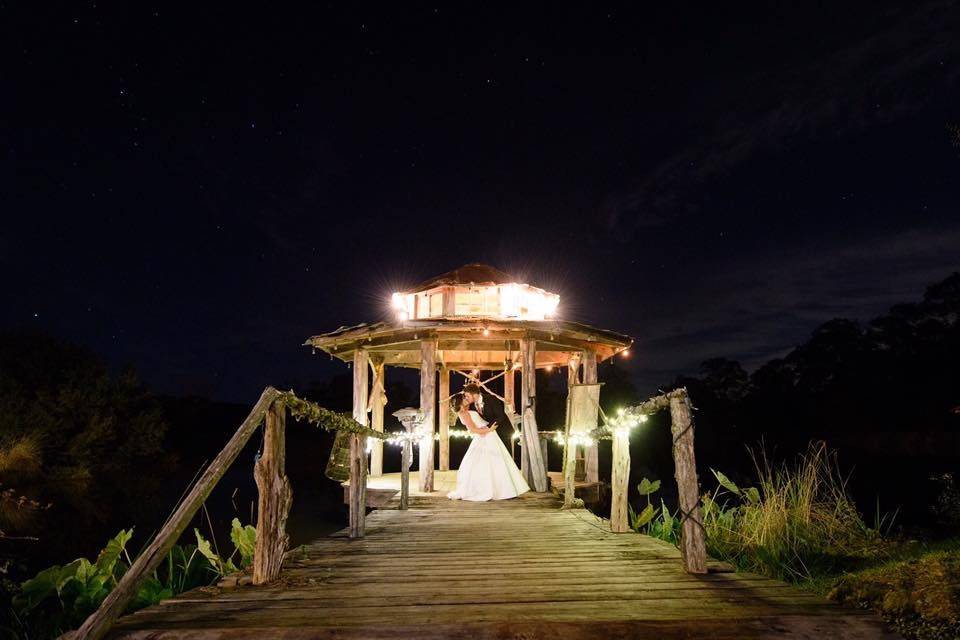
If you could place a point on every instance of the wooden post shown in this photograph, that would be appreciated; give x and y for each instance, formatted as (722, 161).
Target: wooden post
(376, 415)
(693, 546)
(406, 459)
(443, 418)
(99, 622)
(275, 496)
(536, 473)
(358, 447)
(569, 450)
(591, 453)
(619, 481)
(428, 403)
(509, 400)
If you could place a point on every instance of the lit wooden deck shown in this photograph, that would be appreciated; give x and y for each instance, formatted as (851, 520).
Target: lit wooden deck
(520, 568)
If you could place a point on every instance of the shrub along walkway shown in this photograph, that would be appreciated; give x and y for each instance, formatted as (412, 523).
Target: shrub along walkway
(519, 568)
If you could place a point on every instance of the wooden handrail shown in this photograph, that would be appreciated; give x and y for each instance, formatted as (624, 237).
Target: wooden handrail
(116, 601)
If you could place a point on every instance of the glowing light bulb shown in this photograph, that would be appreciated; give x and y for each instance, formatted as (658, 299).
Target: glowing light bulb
(625, 353)
(486, 332)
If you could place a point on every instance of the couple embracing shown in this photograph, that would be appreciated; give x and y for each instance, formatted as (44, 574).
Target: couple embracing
(487, 471)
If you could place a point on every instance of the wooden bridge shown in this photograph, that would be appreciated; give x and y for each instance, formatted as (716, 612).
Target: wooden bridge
(519, 568)
(427, 567)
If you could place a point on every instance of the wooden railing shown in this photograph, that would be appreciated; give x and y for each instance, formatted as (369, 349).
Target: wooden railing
(693, 547)
(275, 498)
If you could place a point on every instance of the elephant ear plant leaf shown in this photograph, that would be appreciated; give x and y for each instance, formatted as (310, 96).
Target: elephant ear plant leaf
(726, 483)
(245, 540)
(646, 487)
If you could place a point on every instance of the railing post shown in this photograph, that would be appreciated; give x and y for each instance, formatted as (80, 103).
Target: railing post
(408, 418)
(619, 481)
(693, 546)
(358, 485)
(275, 497)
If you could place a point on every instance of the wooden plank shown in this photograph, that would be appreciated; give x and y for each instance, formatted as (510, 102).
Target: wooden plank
(450, 569)
(274, 498)
(97, 624)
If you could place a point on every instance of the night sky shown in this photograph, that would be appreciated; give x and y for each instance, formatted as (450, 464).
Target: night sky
(193, 191)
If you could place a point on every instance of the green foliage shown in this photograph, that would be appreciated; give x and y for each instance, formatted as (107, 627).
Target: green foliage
(60, 598)
(639, 520)
(244, 541)
(646, 487)
(326, 419)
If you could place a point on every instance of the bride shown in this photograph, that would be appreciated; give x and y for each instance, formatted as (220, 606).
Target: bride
(487, 471)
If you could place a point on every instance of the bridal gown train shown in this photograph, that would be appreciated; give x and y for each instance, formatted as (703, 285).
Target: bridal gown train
(487, 471)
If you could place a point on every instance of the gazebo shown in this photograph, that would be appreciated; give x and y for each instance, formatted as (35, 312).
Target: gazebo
(470, 320)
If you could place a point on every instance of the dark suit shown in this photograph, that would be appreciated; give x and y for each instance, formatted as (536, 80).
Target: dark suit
(493, 412)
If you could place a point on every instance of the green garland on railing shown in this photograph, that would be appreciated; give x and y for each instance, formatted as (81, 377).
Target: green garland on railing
(326, 419)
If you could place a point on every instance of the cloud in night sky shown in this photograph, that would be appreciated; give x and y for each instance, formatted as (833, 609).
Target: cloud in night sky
(894, 73)
(755, 310)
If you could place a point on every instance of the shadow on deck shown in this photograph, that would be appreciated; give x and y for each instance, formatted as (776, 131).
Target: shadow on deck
(519, 568)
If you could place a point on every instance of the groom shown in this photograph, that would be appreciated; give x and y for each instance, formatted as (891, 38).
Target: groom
(490, 409)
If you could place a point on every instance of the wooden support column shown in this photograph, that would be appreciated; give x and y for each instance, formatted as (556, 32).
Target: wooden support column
(509, 397)
(591, 453)
(275, 496)
(358, 447)
(619, 481)
(428, 404)
(536, 473)
(378, 402)
(693, 545)
(443, 418)
(406, 459)
(570, 450)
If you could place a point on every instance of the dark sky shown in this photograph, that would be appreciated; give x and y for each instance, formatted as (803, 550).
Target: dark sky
(196, 190)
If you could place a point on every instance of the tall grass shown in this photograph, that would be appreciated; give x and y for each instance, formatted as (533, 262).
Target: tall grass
(21, 457)
(798, 522)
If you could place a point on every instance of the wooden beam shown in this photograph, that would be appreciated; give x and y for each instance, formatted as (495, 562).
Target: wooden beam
(536, 472)
(275, 497)
(569, 450)
(443, 418)
(693, 545)
(358, 447)
(428, 403)
(379, 402)
(591, 453)
(99, 622)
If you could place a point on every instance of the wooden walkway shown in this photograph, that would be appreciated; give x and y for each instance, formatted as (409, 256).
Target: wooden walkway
(520, 568)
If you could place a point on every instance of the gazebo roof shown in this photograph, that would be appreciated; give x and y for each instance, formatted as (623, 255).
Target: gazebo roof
(474, 273)
(471, 343)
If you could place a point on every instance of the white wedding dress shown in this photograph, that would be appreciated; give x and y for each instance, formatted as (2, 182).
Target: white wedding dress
(487, 471)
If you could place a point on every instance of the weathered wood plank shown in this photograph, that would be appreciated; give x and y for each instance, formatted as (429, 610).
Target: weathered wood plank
(448, 569)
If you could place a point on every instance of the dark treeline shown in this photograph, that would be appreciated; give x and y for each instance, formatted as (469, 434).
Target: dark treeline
(885, 394)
